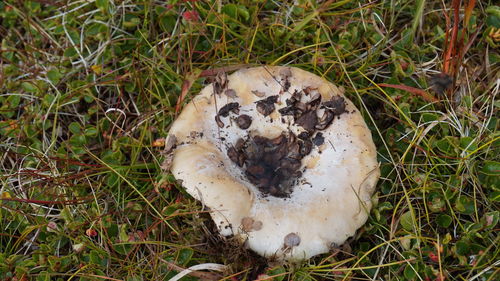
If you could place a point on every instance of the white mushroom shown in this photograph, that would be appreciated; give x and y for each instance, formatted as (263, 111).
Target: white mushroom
(284, 161)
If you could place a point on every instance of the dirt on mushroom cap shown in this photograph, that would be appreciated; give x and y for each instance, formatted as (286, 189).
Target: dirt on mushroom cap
(274, 165)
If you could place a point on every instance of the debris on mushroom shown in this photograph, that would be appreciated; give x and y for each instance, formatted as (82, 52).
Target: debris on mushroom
(259, 93)
(230, 93)
(220, 83)
(285, 74)
(244, 121)
(318, 139)
(285, 162)
(168, 152)
(230, 107)
(336, 104)
(249, 224)
(266, 106)
(170, 144)
(219, 122)
(292, 240)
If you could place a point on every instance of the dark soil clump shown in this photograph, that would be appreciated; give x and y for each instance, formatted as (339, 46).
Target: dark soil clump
(271, 164)
(230, 107)
(305, 114)
(244, 121)
(274, 165)
(266, 106)
(318, 139)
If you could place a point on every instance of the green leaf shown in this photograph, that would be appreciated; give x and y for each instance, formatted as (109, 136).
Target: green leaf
(184, 256)
(103, 5)
(230, 10)
(490, 174)
(74, 127)
(13, 101)
(112, 157)
(88, 98)
(95, 258)
(406, 221)
(429, 117)
(112, 230)
(29, 87)
(67, 215)
(436, 202)
(443, 220)
(48, 99)
(302, 275)
(491, 168)
(468, 144)
(33, 6)
(131, 21)
(96, 28)
(90, 131)
(462, 248)
(243, 12)
(409, 272)
(30, 131)
(493, 10)
(78, 140)
(385, 206)
(112, 180)
(123, 235)
(447, 144)
(490, 219)
(464, 205)
(43, 276)
(494, 196)
(54, 75)
(169, 210)
(70, 52)
(302, 24)
(493, 18)
(167, 22)
(277, 271)
(74, 36)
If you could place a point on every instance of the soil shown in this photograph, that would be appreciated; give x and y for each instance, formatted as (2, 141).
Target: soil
(274, 165)
(266, 106)
(244, 121)
(230, 107)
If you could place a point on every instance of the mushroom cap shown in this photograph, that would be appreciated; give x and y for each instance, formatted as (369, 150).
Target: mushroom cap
(329, 201)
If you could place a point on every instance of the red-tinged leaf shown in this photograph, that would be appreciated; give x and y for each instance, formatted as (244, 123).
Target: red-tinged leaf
(91, 232)
(440, 277)
(419, 92)
(468, 11)
(82, 200)
(192, 16)
(186, 85)
(451, 48)
(433, 257)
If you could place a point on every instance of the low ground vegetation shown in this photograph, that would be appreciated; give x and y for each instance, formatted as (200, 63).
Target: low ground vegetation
(88, 90)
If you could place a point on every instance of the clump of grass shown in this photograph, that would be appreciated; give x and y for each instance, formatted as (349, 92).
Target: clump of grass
(88, 90)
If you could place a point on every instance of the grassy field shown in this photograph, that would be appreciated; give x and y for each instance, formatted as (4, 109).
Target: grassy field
(89, 88)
